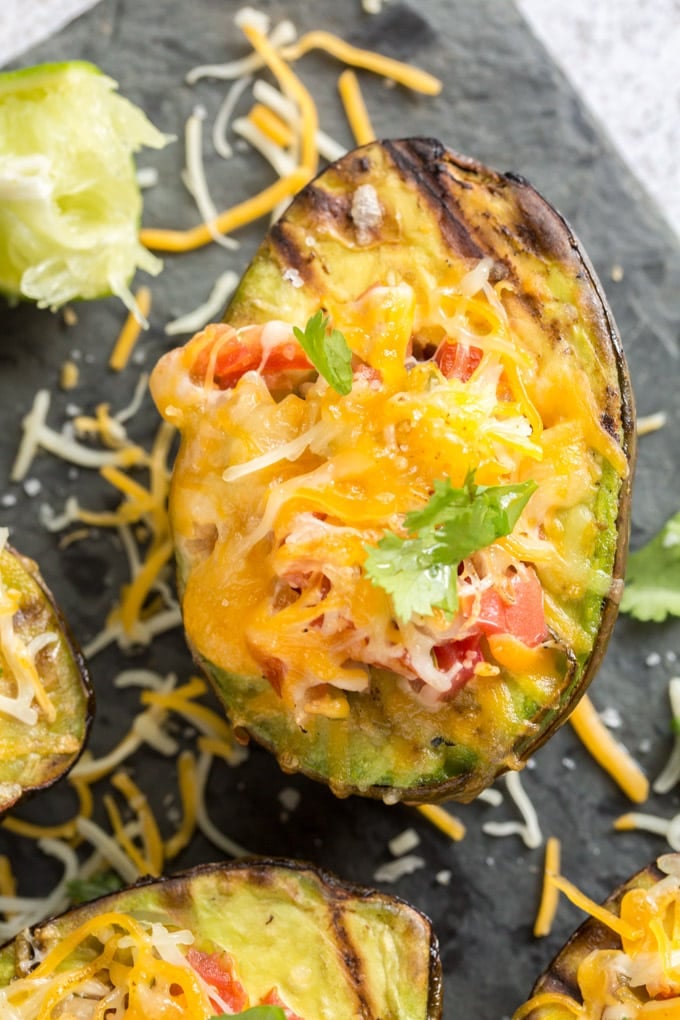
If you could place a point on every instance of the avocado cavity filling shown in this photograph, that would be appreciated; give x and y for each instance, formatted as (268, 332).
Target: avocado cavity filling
(406, 486)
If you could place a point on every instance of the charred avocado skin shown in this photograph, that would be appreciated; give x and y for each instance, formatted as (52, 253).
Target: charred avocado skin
(33, 757)
(561, 975)
(333, 950)
(436, 208)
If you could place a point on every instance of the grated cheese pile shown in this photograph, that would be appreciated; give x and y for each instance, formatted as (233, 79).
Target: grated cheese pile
(283, 495)
(115, 964)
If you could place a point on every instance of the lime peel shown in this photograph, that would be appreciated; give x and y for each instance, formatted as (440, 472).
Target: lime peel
(70, 203)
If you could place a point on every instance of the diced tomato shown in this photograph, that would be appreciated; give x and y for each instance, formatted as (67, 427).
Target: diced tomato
(523, 616)
(457, 360)
(217, 970)
(272, 998)
(237, 355)
(466, 652)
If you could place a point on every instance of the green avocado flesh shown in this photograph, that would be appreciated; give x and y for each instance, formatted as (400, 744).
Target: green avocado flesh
(332, 951)
(35, 755)
(432, 213)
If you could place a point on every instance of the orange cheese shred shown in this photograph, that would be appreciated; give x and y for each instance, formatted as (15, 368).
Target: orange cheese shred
(550, 895)
(404, 74)
(129, 334)
(607, 752)
(271, 125)
(355, 108)
(229, 220)
(546, 1000)
(137, 591)
(444, 821)
(600, 913)
(153, 844)
(295, 90)
(186, 774)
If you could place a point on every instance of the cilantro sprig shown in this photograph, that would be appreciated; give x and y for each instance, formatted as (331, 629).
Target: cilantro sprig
(328, 351)
(652, 588)
(420, 572)
(82, 890)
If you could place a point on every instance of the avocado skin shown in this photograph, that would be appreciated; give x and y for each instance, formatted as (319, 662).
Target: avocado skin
(385, 966)
(39, 765)
(560, 976)
(458, 207)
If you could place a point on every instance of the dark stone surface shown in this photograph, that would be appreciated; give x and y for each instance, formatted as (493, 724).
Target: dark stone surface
(503, 102)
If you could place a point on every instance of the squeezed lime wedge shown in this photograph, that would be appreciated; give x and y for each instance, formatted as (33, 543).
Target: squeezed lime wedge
(70, 204)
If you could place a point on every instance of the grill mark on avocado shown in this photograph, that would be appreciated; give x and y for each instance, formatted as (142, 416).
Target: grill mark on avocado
(289, 253)
(350, 959)
(422, 163)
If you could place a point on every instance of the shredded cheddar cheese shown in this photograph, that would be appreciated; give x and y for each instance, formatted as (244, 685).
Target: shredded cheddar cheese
(136, 320)
(229, 220)
(607, 752)
(404, 74)
(550, 894)
(443, 820)
(355, 108)
(633, 975)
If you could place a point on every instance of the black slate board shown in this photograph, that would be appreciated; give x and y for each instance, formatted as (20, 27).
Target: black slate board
(504, 102)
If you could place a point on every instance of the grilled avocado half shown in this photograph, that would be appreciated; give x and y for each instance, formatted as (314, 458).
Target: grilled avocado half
(619, 962)
(224, 939)
(401, 501)
(46, 696)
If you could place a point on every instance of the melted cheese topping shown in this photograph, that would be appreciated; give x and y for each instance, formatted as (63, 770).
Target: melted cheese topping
(639, 979)
(275, 500)
(22, 692)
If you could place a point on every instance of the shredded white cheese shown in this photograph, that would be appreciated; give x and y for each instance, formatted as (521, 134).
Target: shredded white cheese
(392, 871)
(528, 829)
(212, 308)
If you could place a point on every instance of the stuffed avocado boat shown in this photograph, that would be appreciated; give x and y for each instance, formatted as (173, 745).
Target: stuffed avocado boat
(223, 940)
(622, 963)
(46, 698)
(400, 504)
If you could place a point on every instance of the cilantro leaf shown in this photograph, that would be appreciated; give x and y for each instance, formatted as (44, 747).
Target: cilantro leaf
(82, 890)
(652, 588)
(420, 572)
(327, 351)
(254, 1013)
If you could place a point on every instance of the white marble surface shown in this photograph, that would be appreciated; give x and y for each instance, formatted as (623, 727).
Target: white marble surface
(621, 55)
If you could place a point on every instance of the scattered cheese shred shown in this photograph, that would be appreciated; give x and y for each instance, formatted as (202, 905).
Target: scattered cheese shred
(355, 108)
(186, 769)
(272, 125)
(404, 74)
(69, 375)
(651, 423)
(224, 115)
(281, 35)
(600, 913)
(528, 829)
(444, 821)
(272, 98)
(550, 895)
(231, 219)
(670, 774)
(151, 837)
(195, 180)
(211, 309)
(668, 827)
(292, 87)
(136, 320)
(607, 752)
